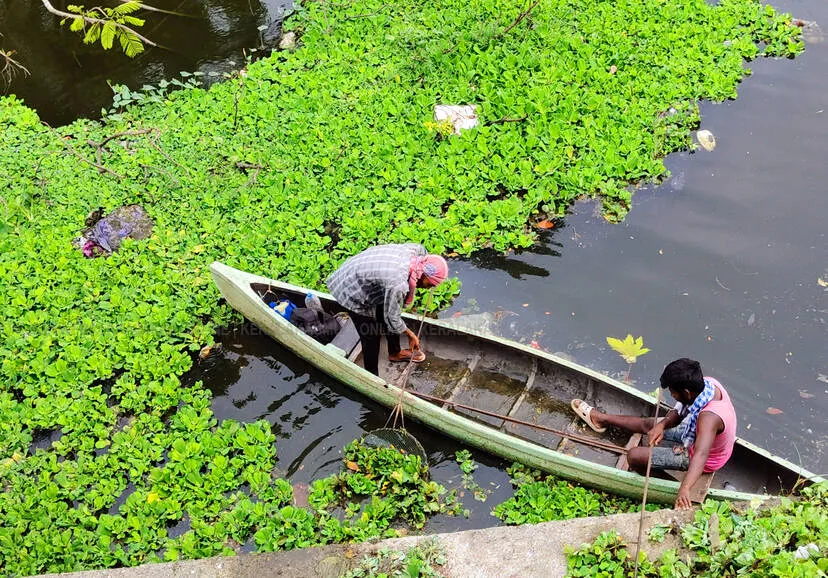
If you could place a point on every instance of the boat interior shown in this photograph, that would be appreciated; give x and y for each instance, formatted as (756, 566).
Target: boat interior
(529, 396)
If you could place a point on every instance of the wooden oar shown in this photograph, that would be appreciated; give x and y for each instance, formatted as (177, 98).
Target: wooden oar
(573, 436)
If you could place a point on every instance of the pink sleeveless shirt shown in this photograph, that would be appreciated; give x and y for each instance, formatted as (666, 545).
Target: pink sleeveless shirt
(723, 443)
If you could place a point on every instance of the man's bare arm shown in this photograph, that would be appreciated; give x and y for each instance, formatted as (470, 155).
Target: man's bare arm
(708, 426)
(672, 419)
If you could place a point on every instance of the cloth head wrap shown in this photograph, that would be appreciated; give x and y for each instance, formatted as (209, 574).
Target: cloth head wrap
(433, 267)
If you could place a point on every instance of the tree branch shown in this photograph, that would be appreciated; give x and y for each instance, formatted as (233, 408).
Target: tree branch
(522, 15)
(100, 167)
(159, 10)
(505, 120)
(10, 67)
(368, 15)
(99, 145)
(48, 5)
(120, 134)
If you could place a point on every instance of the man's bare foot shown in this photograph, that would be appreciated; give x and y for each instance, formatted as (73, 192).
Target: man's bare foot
(597, 418)
(407, 354)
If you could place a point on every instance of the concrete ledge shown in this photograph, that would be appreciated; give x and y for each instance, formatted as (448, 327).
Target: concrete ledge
(502, 552)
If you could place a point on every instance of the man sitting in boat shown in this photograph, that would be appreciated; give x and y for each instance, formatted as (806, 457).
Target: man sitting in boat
(703, 421)
(374, 284)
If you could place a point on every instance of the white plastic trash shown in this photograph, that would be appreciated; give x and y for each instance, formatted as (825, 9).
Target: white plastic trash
(706, 139)
(288, 41)
(462, 116)
(804, 552)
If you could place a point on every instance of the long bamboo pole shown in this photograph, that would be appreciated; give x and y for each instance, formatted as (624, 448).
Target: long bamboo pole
(573, 436)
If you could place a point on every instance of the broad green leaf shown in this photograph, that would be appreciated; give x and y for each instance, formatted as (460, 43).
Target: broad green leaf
(630, 348)
(92, 34)
(77, 24)
(130, 43)
(127, 8)
(108, 34)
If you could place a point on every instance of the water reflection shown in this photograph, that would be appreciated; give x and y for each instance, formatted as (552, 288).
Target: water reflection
(511, 262)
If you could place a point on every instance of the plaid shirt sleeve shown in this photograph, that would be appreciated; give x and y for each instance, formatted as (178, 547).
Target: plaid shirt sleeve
(392, 309)
(377, 276)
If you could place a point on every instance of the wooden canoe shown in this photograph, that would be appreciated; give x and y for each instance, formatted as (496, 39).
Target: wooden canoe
(468, 369)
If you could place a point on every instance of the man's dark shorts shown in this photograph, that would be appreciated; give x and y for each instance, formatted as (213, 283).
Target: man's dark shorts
(666, 458)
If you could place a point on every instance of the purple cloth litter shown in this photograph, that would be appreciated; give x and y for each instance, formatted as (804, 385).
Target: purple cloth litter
(128, 221)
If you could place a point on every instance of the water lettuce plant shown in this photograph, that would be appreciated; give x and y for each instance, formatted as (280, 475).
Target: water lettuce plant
(421, 561)
(541, 498)
(467, 466)
(288, 167)
(788, 539)
(378, 489)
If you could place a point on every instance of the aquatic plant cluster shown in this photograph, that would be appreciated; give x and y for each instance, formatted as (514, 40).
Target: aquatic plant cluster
(285, 169)
(421, 561)
(788, 540)
(540, 498)
(379, 487)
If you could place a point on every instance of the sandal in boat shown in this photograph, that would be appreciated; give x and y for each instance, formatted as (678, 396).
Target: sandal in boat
(583, 409)
(408, 355)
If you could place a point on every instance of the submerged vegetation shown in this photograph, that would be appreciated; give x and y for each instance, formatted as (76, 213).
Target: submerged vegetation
(788, 540)
(285, 169)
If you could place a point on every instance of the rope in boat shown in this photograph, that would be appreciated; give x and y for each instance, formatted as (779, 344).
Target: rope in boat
(646, 486)
(572, 436)
(397, 412)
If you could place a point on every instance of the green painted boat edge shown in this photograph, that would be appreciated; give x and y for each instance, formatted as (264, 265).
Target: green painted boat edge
(235, 287)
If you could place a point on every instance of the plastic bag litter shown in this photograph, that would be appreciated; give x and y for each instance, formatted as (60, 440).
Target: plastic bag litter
(805, 552)
(105, 235)
(706, 139)
(462, 116)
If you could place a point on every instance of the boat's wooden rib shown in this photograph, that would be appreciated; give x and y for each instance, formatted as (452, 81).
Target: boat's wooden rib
(507, 379)
(529, 383)
(461, 383)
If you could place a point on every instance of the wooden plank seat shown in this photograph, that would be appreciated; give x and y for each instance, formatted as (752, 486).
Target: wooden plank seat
(635, 441)
(699, 490)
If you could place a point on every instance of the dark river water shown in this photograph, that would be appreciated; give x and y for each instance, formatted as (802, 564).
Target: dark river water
(69, 79)
(720, 263)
